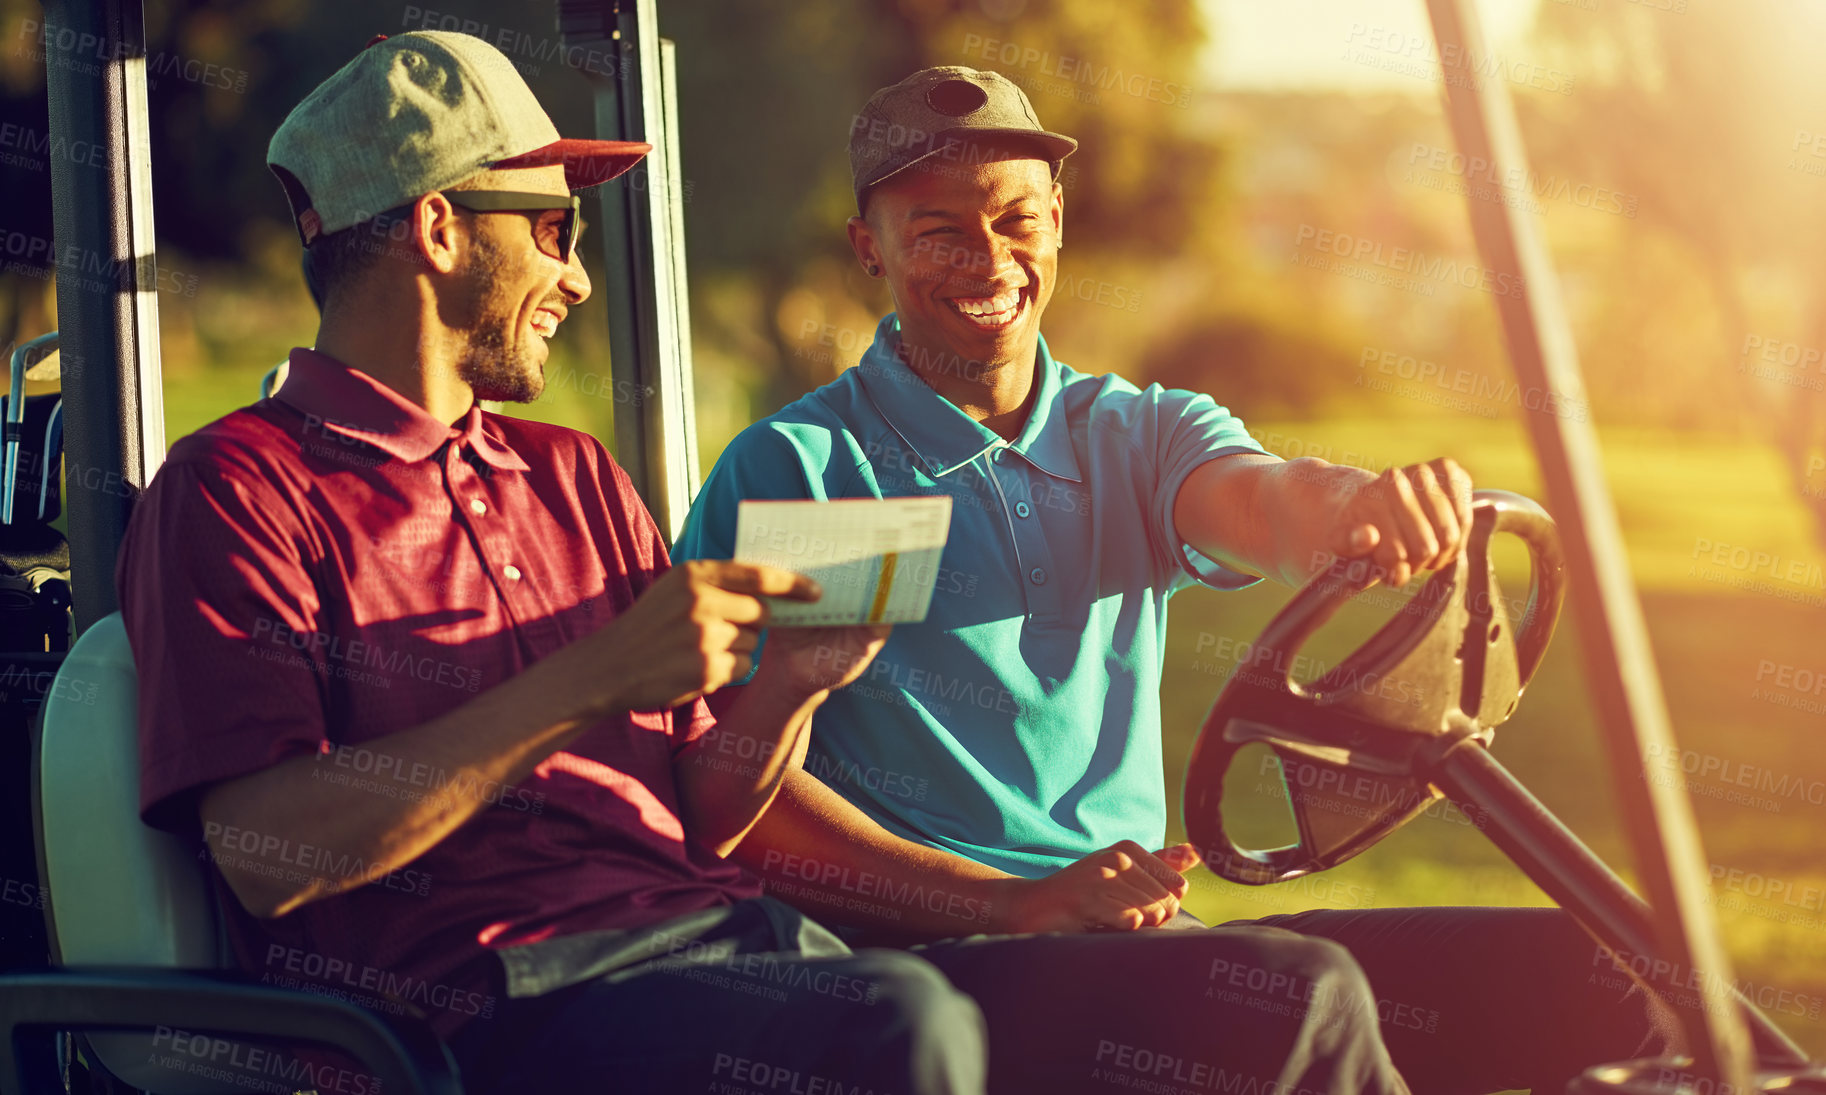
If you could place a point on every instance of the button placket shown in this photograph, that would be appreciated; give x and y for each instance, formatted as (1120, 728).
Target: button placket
(1033, 557)
(460, 479)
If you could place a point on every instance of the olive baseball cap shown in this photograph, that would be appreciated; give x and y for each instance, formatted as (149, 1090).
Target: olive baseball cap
(938, 112)
(415, 113)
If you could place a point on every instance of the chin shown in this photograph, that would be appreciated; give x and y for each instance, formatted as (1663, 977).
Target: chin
(508, 384)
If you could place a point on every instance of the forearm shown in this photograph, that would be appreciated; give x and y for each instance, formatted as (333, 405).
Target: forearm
(291, 834)
(728, 777)
(824, 855)
(1263, 515)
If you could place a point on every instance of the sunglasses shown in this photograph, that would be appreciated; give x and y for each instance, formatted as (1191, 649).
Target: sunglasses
(562, 246)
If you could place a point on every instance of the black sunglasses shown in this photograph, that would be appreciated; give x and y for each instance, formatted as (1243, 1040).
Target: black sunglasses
(570, 229)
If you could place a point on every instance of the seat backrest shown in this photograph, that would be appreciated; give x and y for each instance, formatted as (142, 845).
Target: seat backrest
(120, 892)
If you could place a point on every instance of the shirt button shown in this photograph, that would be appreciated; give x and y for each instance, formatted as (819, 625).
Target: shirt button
(1038, 574)
(477, 506)
(512, 572)
(1022, 509)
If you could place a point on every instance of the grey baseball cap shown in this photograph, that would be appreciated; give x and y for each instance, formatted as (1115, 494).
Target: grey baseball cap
(940, 112)
(415, 113)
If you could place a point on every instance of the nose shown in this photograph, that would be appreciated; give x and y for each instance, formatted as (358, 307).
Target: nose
(990, 261)
(574, 283)
(994, 254)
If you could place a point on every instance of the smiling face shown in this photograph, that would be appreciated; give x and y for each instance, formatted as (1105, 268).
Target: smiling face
(971, 255)
(513, 292)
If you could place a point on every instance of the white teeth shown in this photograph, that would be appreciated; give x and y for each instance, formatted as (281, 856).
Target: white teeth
(987, 307)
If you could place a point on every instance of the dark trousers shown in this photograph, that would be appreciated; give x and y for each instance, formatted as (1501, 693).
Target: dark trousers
(755, 1000)
(1494, 999)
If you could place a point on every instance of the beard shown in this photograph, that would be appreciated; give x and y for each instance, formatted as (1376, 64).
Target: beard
(495, 363)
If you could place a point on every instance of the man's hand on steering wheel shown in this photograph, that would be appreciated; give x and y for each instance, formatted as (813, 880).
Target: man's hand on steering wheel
(1121, 888)
(1404, 520)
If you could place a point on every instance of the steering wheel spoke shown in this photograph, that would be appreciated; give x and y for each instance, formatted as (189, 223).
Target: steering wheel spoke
(1355, 744)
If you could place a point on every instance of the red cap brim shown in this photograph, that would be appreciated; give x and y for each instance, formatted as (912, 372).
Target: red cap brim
(586, 163)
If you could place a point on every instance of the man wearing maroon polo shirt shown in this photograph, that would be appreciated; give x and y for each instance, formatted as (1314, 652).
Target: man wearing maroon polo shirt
(420, 676)
(421, 679)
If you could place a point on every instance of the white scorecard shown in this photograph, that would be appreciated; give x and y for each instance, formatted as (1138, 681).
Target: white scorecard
(877, 558)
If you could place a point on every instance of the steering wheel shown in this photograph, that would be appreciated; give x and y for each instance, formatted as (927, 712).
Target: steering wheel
(1356, 744)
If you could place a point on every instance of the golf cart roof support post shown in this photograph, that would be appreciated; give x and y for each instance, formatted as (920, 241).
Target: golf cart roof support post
(1620, 666)
(643, 236)
(1566, 870)
(107, 314)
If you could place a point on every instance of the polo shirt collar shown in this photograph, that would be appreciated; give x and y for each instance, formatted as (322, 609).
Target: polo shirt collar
(943, 436)
(351, 403)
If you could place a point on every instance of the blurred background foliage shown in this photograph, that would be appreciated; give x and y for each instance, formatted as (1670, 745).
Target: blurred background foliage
(1675, 174)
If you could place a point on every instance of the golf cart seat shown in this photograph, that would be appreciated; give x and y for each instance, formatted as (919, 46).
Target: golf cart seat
(141, 963)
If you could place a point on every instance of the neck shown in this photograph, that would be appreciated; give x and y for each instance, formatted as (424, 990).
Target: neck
(394, 337)
(997, 393)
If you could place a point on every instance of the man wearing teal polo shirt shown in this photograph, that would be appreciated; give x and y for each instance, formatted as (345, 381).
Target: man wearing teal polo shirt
(998, 768)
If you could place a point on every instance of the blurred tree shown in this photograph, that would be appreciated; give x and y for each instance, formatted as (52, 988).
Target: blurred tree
(1700, 111)
(767, 93)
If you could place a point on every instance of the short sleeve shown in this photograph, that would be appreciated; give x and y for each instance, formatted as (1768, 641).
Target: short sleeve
(760, 463)
(223, 618)
(757, 464)
(1193, 429)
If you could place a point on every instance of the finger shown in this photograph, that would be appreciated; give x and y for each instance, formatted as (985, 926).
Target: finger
(1111, 913)
(1391, 557)
(1358, 540)
(737, 608)
(1126, 903)
(758, 580)
(1457, 482)
(1129, 872)
(745, 641)
(1158, 869)
(1155, 910)
(721, 640)
(1410, 526)
(1180, 857)
(1436, 506)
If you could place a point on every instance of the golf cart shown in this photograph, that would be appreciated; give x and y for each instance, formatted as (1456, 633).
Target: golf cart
(137, 992)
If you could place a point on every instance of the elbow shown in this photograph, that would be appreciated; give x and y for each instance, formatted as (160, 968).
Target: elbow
(713, 829)
(714, 814)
